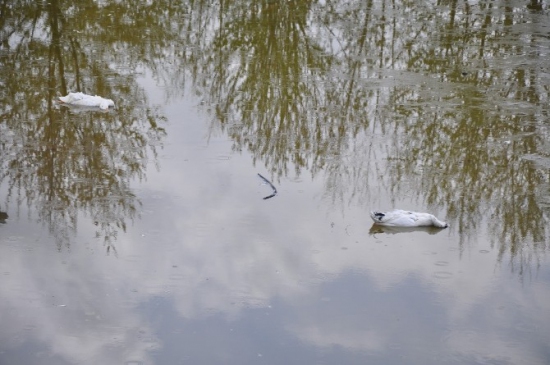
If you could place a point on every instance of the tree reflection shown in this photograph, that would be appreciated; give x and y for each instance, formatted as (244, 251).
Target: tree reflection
(466, 144)
(443, 99)
(63, 164)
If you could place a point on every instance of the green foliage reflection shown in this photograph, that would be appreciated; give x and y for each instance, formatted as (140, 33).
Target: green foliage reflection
(62, 163)
(441, 101)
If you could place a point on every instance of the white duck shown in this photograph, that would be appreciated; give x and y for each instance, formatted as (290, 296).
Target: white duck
(81, 99)
(403, 218)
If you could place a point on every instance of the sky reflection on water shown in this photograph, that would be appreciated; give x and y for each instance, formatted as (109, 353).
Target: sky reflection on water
(212, 273)
(141, 236)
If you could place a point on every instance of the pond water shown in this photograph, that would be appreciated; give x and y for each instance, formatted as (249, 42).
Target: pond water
(141, 234)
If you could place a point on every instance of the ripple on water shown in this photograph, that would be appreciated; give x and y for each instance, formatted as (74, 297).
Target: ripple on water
(17, 243)
(443, 274)
(202, 229)
(14, 238)
(441, 263)
(133, 258)
(177, 277)
(429, 253)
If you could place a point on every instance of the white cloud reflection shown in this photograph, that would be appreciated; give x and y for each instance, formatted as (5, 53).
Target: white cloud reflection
(208, 242)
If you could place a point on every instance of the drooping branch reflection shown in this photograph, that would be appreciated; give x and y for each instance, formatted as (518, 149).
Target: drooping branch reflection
(430, 109)
(65, 164)
(440, 109)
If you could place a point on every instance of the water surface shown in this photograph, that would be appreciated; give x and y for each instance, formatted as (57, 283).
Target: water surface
(140, 235)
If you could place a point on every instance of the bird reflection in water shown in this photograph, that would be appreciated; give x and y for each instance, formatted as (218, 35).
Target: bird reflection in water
(376, 228)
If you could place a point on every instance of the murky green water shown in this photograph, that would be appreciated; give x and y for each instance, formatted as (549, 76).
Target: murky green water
(140, 235)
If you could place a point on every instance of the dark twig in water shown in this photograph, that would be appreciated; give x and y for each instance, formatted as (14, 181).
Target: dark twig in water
(270, 184)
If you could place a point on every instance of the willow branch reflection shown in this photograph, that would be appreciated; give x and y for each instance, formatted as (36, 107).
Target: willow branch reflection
(463, 151)
(66, 165)
(347, 89)
(421, 107)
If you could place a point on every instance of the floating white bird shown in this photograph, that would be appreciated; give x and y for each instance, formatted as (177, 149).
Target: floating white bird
(403, 218)
(81, 99)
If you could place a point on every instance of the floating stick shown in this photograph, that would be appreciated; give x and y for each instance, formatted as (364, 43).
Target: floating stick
(270, 184)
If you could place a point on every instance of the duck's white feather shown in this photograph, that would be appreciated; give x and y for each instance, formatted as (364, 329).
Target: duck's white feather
(82, 99)
(403, 218)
